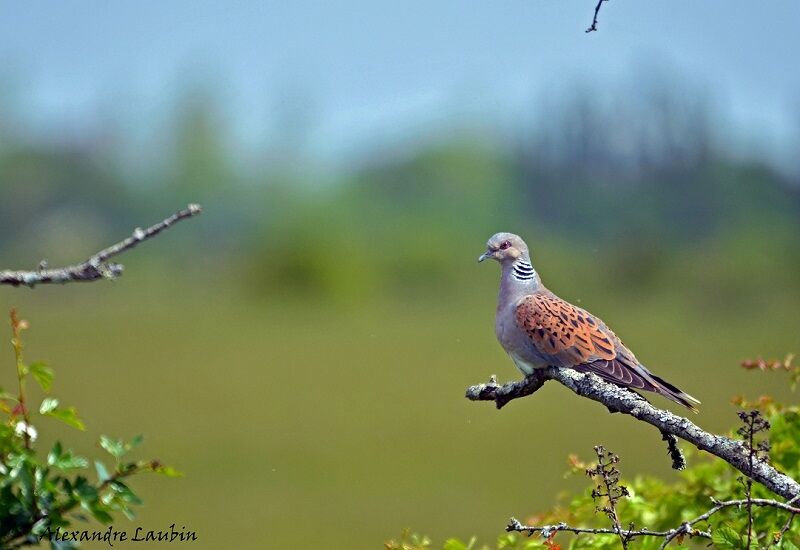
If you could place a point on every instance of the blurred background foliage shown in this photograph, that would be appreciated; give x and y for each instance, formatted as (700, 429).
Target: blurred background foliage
(638, 187)
(300, 351)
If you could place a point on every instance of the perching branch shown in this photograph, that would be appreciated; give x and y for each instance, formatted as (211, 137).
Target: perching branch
(621, 400)
(97, 266)
(593, 26)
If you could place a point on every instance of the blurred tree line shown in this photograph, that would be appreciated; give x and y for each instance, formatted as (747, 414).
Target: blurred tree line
(631, 191)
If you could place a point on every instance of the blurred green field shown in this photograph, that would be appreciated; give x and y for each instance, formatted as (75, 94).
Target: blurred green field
(306, 424)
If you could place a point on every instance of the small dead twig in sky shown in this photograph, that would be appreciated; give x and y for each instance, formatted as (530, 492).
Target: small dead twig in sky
(593, 26)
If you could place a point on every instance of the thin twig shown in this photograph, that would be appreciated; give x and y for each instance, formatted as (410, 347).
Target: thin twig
(608, 473)
(619, 399)
(98, 265)
(754, 423)
(547, 530)
(593, 26)
(721, 505)
(749, 485)
(686, 528)
(788, 524)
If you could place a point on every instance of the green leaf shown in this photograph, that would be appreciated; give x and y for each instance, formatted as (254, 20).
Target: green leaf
(102, 473)
(42, 374)
(62, 545)
(26, 484)
(54, 454)
(135, 442)
(725, 537)
(99, 513)
(125, 493)
(40, 527)
(456, 544)
(68, 416)
(65, 460)
(507, 540)
(115, 447)
(68, 461)
(168, 471)
(85, 491)
(48, 405)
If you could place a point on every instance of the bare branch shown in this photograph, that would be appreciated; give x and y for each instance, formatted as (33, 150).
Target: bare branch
(621, 400)
(608, 473)
(754, 423)
(97, 266)
(593, 26)
(721, 505)
(686, 528)
(788, 524)
(547, 530)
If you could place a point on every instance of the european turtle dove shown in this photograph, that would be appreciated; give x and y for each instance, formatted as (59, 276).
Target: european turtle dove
(538, 329)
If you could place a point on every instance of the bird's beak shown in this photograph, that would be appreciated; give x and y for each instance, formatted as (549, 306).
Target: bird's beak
(486, 255)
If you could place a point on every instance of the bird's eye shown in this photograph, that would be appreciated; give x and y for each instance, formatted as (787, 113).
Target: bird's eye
(505, 245)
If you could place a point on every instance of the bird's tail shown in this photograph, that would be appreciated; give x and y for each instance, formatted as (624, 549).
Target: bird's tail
(671, 392)
(624, 372)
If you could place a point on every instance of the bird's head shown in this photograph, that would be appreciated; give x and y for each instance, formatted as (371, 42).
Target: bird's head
(504, 247)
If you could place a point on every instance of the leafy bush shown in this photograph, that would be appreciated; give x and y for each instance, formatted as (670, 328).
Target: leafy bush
(41, 494)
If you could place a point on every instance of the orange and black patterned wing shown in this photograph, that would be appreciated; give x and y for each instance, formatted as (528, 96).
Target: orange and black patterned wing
(574, 338)
(564, 331)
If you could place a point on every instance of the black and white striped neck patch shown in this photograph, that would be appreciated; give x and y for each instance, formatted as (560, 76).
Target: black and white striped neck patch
(522, 270)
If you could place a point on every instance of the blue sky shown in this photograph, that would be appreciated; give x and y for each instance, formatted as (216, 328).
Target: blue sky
(386, 69)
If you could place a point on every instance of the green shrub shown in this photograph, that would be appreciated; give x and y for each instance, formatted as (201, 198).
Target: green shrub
(43, 492)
